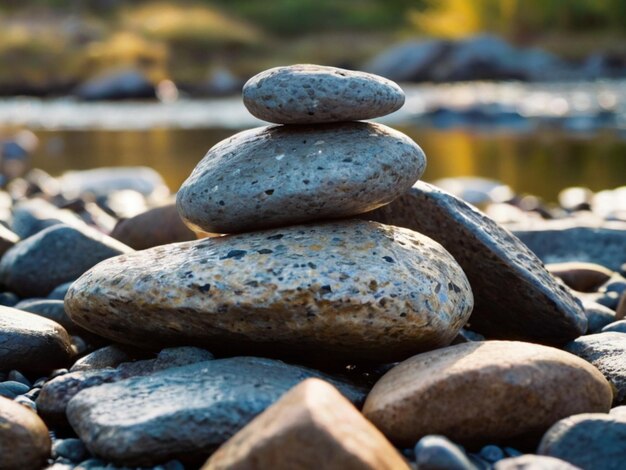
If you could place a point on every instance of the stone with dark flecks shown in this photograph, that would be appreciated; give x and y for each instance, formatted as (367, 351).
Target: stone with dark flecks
(438, 453)
(319, 290)
(534, 462)
(515, 297)
(188, 410)
(24, 440)
(312, 94)
(484, 392)
(38, 264)
(283, 175)
(311, 425)
(32, 343)
(607, 352)
(589, 441)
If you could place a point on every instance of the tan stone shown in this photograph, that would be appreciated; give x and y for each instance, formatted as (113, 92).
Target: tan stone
(24, 439)
(582, 277)
(312, 426)
(484, 392)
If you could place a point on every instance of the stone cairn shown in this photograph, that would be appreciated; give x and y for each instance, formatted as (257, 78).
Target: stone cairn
(330, 261)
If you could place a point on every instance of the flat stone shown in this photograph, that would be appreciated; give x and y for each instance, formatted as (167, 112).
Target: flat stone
(348, 290)
(607, 352)
(158, 226)
(312, 424)
(24, 440)
(284, 175)
(187, 411)
(312, 94)
(557, 241)
(589, 441)
(489, 392)
(534, 462)
(582, 277)
(515, 297)
(29, 342)
(11, 389)
(56, 393)
(58, 254)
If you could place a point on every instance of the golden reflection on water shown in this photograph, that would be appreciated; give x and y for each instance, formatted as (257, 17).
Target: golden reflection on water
(540, 163)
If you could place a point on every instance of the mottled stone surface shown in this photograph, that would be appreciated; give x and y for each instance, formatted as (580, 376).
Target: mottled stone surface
(515, 297)
(311, 94)
(555, 242)
(349, 290)
(38, 264)
(311, 426)
(484, 392)
(183, 411)
(607, 352)
(158, 226)
(589, 441)
(24, 440)
(31, 342)
(534, 462)
(283, 175)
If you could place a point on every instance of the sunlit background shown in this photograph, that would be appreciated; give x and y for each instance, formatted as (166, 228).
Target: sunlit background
(528, 92)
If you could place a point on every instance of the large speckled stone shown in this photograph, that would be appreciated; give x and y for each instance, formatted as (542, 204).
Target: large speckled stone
(30, 342)
(311, 426)
(516, 298)
(183, 411)
(283, 175)
(607, 352)
(484, 392)
(24, 440)
(590, 441)
(350, 290)
(311, 94)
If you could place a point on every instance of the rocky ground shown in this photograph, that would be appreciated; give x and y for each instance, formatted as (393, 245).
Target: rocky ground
(354, 317)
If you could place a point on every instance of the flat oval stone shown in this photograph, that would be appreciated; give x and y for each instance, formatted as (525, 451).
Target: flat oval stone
(350, 290)
(484, 392)
(283, 175)
(516, 298)
(184, 411)
(311, 94)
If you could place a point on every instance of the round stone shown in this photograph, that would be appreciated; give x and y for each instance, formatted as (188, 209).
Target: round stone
(349, 290)
(477, 393)
(283, 175)
(311, 94)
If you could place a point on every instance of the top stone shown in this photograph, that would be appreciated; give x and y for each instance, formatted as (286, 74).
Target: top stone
(311, 94)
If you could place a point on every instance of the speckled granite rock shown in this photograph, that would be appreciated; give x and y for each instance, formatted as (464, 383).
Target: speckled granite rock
(590, 441)
(183, 411)
(484, 392)
(283, 175)
(31, 342)
(516, 298)
(310, 94)
(24, 440)
(534, 462)
(348, 290)
(38, 264)
(311, 426)
(607, 352)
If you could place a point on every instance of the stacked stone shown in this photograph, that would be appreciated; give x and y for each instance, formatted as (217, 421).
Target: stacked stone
(294, 278)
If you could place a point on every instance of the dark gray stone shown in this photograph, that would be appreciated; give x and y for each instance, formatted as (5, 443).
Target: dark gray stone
(534, 462)
(598, 316)
(17, 376)
(72, 449)
(11, 389)
(589, 441)
(283, 175)
(31, 343)
(51, 309)
(606, 351)
(58, 293)
(183, 411)
(108, 356)
(34, 215)
(515, 297)
(8, 299)
(558, 242)
(616, 327)
(312, 94)
(492, 453)
(58, 254)
(117, 85)
(439, 453)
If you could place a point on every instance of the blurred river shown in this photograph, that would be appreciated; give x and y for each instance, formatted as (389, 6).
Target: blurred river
(538, 138)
